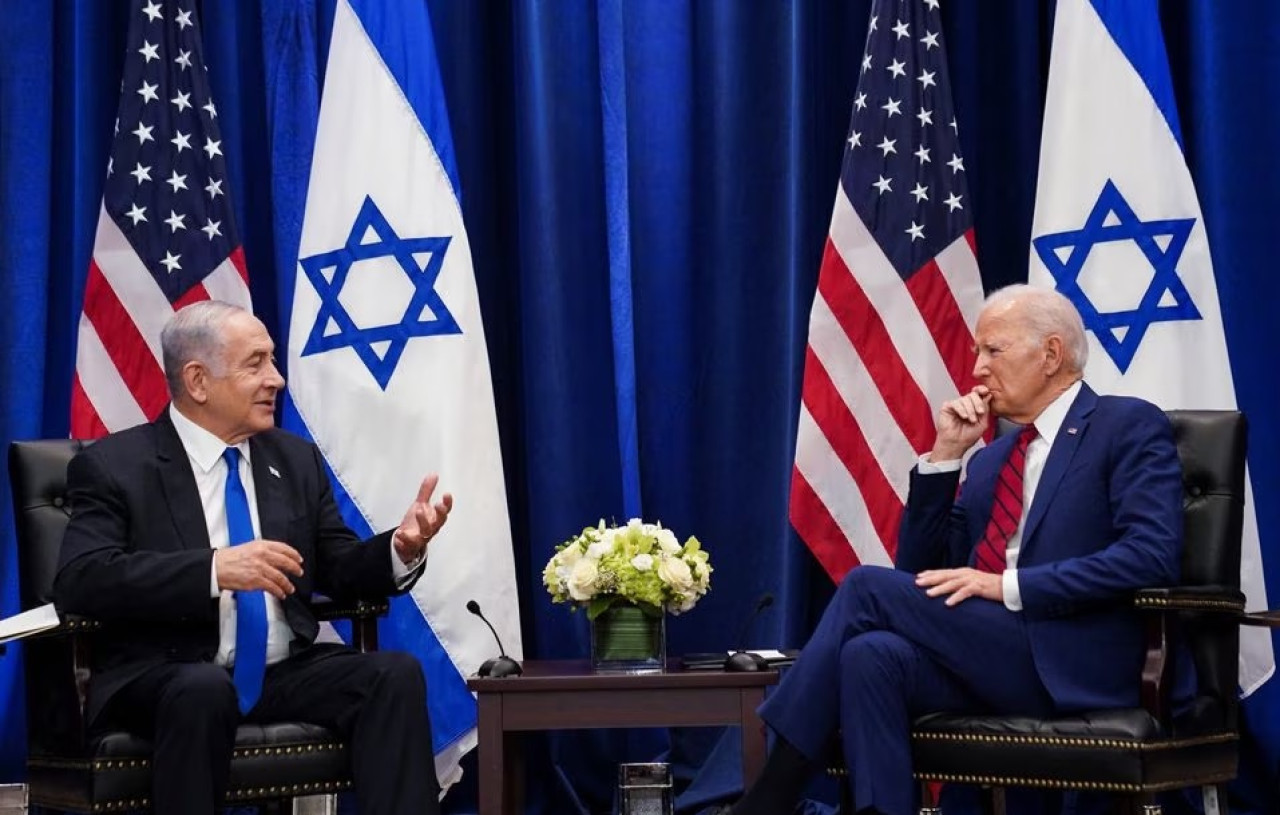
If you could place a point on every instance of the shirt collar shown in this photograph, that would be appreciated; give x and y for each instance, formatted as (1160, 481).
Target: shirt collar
(203, 448)
(1050, 420)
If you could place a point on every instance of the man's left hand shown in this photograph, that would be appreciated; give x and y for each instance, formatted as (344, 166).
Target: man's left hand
(958, 585)
(421, 521)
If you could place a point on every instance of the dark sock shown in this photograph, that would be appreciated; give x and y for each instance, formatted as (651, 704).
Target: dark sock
(777, 790)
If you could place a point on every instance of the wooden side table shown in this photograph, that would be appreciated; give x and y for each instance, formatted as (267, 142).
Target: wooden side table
(566, 695)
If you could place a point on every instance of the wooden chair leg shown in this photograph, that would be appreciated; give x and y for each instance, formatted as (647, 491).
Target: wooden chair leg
(1140, 803)
(1215, 799)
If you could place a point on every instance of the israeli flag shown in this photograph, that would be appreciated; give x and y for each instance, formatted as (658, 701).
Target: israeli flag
(1118, 229)
(389, 373)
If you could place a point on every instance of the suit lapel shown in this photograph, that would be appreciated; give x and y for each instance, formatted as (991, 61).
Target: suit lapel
(268, 486)
(179, 485)
(1070, 434)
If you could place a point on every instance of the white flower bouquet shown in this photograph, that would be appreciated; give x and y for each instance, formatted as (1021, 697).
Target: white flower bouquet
(640, 563)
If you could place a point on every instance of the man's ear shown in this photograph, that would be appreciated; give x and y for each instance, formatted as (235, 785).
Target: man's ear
(1053, 355)
(195, 379)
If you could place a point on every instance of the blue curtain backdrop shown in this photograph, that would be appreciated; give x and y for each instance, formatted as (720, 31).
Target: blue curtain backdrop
(647, 187)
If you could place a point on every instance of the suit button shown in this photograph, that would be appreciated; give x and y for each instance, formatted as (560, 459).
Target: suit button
(58, 501)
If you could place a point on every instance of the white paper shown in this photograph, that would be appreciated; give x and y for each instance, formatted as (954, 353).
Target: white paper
(28, 623)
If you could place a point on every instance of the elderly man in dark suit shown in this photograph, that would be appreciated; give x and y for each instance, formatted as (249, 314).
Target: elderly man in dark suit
(1011, 597)
(198, 541)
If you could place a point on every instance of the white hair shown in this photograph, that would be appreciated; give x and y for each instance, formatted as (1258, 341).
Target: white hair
(194, 334)
(1046, 312)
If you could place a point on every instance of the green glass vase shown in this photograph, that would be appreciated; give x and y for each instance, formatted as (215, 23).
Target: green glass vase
(624, 639)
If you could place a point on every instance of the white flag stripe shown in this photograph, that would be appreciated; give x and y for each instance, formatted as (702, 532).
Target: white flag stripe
(424, 401)
(100, 379)
(890, 299)
(831, 482)
(959, 268)
(1102, 127)
(225, 283)
(893, 453)
(137, 292)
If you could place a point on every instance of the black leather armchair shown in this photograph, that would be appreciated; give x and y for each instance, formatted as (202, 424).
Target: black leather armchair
(1136, 752)
(71, 769)
(1141, 751)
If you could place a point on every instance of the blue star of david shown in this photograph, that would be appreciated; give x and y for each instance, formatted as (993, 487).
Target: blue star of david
(396, 335)
(1121, 332)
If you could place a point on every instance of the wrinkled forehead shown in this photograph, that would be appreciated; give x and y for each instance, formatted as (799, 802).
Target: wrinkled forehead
(1002, 322)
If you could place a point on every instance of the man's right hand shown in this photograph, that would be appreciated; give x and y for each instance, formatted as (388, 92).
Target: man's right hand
(961, 422)
(259, 564)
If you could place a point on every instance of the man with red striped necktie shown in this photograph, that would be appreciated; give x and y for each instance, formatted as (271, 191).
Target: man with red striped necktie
(1010, 595)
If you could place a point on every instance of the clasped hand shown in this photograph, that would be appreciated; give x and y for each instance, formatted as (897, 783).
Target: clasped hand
(258, 565)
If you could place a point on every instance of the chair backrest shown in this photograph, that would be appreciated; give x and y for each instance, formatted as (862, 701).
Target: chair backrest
(38, 478)
(1212, 445)
(55, 692)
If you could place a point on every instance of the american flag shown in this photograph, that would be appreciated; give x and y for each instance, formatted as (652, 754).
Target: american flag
(166, 235)
(891, 329)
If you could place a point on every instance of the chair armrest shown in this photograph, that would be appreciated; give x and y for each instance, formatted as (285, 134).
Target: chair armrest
(326, 609)
(1224, 599)
(1266, 619)
(71, 624)
(1169, 602)
(363, 615)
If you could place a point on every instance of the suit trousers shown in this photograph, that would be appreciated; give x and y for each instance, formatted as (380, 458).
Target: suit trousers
(376, 702)
(885, 653)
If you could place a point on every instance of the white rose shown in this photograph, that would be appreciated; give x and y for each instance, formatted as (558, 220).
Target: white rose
(667, 541)
(635, 523)
(642, 562)
(582, 580)
(675, 573)
(599, 549)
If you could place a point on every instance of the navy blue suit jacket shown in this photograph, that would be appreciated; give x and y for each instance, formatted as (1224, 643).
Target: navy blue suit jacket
(1106, 520)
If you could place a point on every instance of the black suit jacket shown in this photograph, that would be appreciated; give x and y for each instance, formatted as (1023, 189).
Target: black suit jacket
(136, 552)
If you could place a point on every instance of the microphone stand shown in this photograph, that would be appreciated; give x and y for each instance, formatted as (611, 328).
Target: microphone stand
(501, 665)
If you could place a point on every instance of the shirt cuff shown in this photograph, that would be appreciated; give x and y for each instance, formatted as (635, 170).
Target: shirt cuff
(403, 572)
(213, 575)
(926, 467)
(1012, 596)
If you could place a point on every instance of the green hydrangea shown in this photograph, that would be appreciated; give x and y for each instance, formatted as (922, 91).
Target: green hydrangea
(640, 563)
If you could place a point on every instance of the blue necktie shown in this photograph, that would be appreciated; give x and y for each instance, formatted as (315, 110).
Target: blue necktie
(251, 606)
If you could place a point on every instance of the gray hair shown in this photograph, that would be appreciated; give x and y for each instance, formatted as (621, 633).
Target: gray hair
(1047, 312)
(194, 334)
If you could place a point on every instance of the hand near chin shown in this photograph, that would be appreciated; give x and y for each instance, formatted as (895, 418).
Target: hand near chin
(961, 423)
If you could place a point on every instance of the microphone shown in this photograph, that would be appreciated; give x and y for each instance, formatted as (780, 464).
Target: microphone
(501, 665)
(743, 660)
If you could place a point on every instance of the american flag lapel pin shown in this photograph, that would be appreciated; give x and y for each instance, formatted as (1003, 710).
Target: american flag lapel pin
(273, 471)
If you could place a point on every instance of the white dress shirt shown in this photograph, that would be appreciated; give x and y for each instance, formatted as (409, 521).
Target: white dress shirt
(1047, 425)
(204, 451)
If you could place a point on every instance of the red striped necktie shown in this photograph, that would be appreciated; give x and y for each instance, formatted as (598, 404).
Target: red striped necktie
(1006, 511)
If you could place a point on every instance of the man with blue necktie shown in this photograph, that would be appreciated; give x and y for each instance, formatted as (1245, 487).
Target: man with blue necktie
(198, 540)
(1012, 594)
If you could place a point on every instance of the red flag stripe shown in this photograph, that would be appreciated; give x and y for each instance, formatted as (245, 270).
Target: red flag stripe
(126, 347)
(85, 422)
(862, 323)
(816, 527)
(850, 445)
(937, 304)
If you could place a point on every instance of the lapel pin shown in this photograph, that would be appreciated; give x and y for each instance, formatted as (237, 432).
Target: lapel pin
(1071, 431)
(273, 471)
